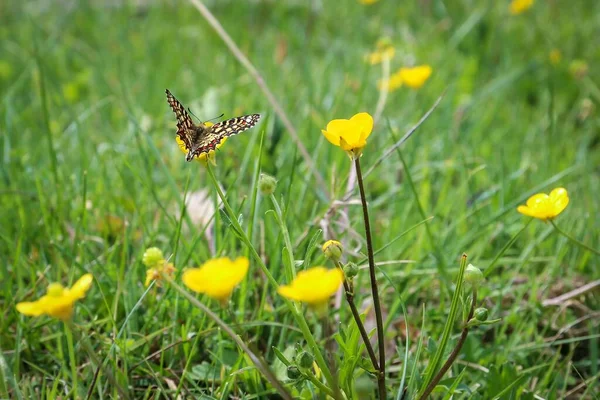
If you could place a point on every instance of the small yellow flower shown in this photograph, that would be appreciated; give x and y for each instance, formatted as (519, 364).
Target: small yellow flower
(543, 206)
(217, 277)
(58, 301)
(313, 286)
(555, 56)
(350, 134)
(204, 157)
(367, 2)
(415, 77)
(333, 249)
(394, 82)
(519, 6)
(384, 51)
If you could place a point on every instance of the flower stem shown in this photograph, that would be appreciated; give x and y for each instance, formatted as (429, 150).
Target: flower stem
(72, 359)
(374, 289)
(575, 241)
(363, 332)
(461, 341)
(259, 362)
(294, 309)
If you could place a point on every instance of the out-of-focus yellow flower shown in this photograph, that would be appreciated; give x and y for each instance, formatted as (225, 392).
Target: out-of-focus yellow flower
(217, 277)
(367, 2)
(313, 286)
(6, 70)
(350, 134)
(415, 77)
(58, 301)
(578, 68)
(393, 83)
(519, 6)
(384, 51)
(543, 206)
(555, 56)
(204, 157)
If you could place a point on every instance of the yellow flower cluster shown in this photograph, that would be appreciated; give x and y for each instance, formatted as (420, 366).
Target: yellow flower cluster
(384, 50)
(519, 6)
(413, 77)
(156, 266)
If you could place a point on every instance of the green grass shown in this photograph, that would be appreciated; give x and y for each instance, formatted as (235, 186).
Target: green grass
(90, 177)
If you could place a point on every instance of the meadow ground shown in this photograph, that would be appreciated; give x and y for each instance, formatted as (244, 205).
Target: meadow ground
(91, 176)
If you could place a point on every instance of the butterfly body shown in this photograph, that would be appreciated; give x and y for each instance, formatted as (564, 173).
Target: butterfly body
(201, 138)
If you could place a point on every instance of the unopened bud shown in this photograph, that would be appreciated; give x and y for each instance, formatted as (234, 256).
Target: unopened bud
(481, 314)
(305, 359)
(350, 270)
(152, 257)
(473, 275)
(293, 372)
(333, 250)
(267, 184)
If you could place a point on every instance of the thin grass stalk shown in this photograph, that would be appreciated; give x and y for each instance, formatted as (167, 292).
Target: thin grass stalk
(374, 288)
(573, 240)
(292, 307)
(260, 363)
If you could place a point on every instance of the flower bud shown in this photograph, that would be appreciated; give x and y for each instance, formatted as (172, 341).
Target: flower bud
(267, 184)
(333, 250)
(305, 359)
(293, 372)
(350, 270)
(481, 314)
(152, 257)
(473, 275)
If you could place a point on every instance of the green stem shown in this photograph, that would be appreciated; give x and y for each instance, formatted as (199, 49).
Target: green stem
(292, 307)
(72, 359)
(463, 337)
(291, 270)
(363, 332)
(489, 268)
(318, 383)
(575, 241)
(374, 289)
(260, 363)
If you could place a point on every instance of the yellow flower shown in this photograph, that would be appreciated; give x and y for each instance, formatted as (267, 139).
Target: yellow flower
(58, 301)
(367, 2)
(217, 277)
(393, 83)
(350, 134)
(204, 157)
(543, 206)
(518, 6)
(415, 77)
(555, 56)
(155, 273)
(313, 286)
(384, 51)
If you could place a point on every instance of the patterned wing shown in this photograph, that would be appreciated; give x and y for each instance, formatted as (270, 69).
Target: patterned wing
(223, 129)
(184, 122)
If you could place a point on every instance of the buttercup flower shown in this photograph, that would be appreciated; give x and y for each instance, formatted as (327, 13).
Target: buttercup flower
(313, 286)
(519, 6)
(350, 134)
(204, 157)
(217, 277)
(415, 77)
(384, 51)
(155, 273)
(367, 2)
(543, 206)
(58, 301)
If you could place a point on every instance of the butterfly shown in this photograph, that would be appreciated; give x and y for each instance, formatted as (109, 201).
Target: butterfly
(199, 138)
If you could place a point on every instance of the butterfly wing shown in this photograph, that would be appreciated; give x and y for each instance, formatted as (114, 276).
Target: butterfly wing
(184, 121)
(223, 129)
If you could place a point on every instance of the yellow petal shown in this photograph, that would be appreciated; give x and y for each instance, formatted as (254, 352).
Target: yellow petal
(537, 199)
(365, 122)
(217, 277)
(30, 308)
(332, 138)
(526, 211)
(559, 199)
(81, 287)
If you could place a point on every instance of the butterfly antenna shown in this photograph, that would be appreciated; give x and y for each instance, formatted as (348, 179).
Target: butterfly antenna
(190, 111)
(214, 118)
